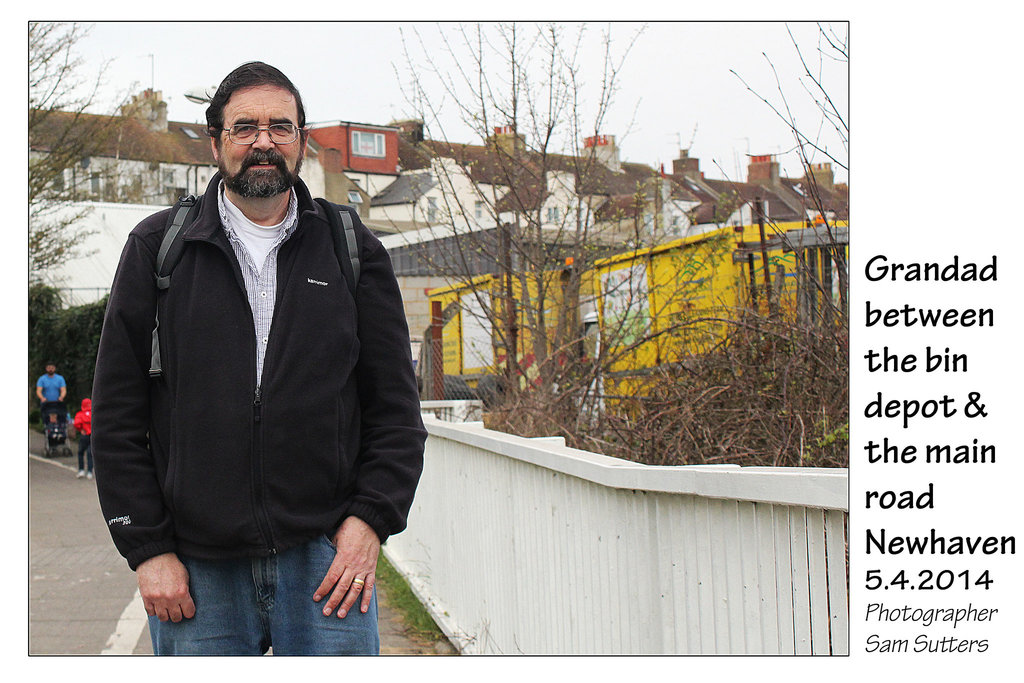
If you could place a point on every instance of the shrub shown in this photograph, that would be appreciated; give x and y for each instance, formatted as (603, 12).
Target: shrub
(67, 336)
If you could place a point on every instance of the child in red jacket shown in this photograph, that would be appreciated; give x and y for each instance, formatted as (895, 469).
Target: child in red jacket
(83, 424)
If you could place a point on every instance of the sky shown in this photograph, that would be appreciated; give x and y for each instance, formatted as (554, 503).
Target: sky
(676, 86)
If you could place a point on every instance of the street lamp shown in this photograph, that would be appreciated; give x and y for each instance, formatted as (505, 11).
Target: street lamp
(200, 95)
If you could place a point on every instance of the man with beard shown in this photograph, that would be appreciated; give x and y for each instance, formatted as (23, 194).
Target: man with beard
(51, 386)
(251, 483)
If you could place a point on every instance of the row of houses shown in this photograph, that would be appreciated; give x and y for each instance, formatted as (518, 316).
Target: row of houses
(421, 195)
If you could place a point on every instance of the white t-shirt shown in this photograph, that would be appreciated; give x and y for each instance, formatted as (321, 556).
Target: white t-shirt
(257, 239)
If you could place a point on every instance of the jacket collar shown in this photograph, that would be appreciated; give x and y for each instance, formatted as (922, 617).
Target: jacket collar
(207, 225)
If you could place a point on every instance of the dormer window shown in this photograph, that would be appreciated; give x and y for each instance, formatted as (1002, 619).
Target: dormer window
(366, 144)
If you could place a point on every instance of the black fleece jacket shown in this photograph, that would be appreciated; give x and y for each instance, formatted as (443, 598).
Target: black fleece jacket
(198, 461)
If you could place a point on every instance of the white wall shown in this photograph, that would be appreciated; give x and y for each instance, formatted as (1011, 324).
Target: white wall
(90, 277)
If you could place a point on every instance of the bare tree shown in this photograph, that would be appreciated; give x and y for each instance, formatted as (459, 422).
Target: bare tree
(832, 49)
(62, 134)
(773, 390)
(674, 376)
(533, 187)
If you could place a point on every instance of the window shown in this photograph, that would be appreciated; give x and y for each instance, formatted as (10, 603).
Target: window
(190, 133)
(479, 210)
(367, 144)
(354, 197)
(649, 223)
(431, 209)
(554, 214)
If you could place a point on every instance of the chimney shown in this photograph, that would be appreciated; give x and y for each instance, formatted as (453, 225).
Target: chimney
(410, 128)
(686, 166)
(604, 150)
(149, 108)
(506, 139)
(822, 174)
(763, 170)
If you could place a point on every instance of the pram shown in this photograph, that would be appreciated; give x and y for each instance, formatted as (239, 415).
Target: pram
(55, 423)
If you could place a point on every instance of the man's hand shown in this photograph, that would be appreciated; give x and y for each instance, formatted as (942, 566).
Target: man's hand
(354, 568)
(163, 584)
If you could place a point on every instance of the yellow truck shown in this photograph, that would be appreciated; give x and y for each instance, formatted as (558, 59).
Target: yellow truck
(643, 308)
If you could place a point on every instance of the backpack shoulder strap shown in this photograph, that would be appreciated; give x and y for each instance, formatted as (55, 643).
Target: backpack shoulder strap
(183, 213)
(346, 244)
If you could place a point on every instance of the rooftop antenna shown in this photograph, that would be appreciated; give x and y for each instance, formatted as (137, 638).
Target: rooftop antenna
(739, 169)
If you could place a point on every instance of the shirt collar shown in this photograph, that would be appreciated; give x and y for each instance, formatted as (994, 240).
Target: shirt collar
(291, 218)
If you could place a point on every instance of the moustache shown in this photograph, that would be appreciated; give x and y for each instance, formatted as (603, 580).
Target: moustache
(269, 156)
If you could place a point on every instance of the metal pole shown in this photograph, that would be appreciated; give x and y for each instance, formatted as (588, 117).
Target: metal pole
(511, 328)
(436, 352)
(753, 282)
(764, 254)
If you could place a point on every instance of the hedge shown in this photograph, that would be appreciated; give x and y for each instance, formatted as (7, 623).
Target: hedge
(69, 337)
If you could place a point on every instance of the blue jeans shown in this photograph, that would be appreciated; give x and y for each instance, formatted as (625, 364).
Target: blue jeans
(84, 449)
(246, 606)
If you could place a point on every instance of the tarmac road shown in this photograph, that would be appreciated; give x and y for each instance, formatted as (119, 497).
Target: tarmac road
(83, 597)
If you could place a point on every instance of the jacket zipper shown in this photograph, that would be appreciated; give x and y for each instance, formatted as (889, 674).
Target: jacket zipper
(262, 519)
(259, 507)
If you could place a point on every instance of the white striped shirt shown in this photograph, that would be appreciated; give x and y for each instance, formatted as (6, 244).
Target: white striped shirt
(260, 279)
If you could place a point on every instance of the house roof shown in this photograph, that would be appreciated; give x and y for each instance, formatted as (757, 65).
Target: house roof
(187, 143)
(125, 138)
(777, 208)
(406, 189)
(488, 165)
(620, 206)
(789, 200)
(119, 137)
(836, 198)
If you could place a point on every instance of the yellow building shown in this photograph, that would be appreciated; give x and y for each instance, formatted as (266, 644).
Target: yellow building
(648, 307)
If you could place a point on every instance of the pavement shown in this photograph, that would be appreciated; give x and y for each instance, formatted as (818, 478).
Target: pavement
(83, 598)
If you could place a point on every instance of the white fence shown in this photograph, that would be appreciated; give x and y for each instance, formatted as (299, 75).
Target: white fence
(453, 411)
(526, 546)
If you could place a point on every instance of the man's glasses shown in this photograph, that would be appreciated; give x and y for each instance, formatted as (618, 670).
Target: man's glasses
(246, 133)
